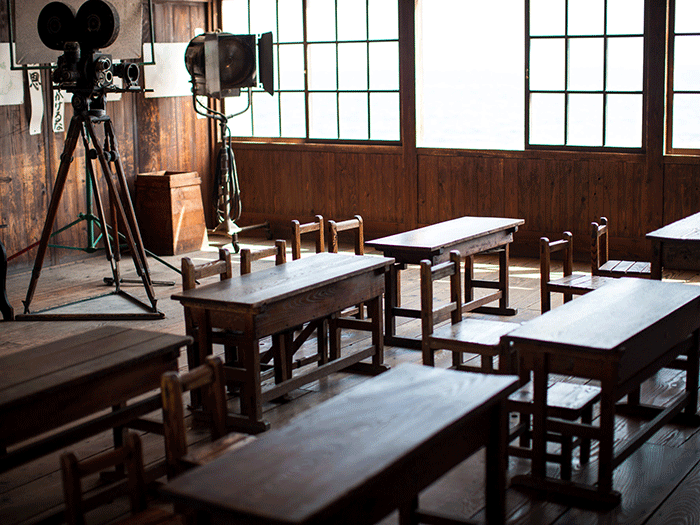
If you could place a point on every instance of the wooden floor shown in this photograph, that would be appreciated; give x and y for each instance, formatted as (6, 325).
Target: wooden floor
(660, 483)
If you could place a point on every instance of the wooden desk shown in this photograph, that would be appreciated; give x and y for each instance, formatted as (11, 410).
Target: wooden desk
(362, 454)
(46, 387)
(468, 235)
(620, 334)
(676, 246)
(273, 302)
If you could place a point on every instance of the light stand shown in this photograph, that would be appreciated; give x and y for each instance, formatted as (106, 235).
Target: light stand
(228, 193)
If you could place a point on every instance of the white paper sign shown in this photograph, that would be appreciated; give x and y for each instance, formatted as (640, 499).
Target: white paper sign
(169, 76)
(37, 100)
(59, 110)
(11, 84)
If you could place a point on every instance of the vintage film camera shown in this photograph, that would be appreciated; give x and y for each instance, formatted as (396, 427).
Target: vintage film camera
(82, 68)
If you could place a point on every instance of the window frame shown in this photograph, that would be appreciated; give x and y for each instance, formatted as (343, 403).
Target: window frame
(566, 91)
(308, 92)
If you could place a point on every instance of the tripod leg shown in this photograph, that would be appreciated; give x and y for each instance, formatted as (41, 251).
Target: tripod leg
(66, 158)
(115, 195)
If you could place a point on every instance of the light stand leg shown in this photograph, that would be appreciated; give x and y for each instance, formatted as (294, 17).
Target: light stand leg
(66, 159)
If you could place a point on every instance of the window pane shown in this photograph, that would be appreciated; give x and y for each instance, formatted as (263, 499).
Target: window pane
(586, 17)
(353, 116)
(320, 16)
(384, 116)
(547, 64)
(687, 16)
(290, 21)
(625, 64)
(547, 118)
(291, 66)
(384, 65)
(383, 19)
(235, 16)
(586, 64)
(686, 115)
(547, 17)
(266, 115)
(240, 125)
(293, 114)
(323, 116)
(263, 16)
(626, 17)
(686, 63)
(585, 120)
(624, 121)
(322, 67)
(353, 15)
(352, 66)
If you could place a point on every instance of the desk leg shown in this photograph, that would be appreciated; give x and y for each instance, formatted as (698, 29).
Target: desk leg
(374, 308)
(540, 375)
(692, 373)
(496, 466)
(607, 438)
(391, 299)
(503, 268)
(656, 269)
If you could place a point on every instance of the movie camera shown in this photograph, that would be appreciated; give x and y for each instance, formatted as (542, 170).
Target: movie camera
(82, 68)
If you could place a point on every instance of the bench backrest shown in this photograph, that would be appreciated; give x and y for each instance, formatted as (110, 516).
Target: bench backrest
(356, 225)
(278, 251)
(317, 226)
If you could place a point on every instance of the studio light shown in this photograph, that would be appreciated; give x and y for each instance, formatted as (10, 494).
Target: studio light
(221, 63)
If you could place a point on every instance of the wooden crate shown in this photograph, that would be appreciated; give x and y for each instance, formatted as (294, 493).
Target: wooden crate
(170, 213)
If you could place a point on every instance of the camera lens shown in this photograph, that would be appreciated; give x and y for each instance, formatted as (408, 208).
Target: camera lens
(97, 23)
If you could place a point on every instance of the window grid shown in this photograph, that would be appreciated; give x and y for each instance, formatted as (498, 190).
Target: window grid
(605, 92)
(671, 90)
(307, 91)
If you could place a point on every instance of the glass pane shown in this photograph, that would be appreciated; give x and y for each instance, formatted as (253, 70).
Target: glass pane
(686, 115)
(352, 66)
(625, 64)
(322, 67)
(586, 64)
(547, 17)
(263, 17)
(241, 125)
(234, 16)
(687, 16)
(626, 17)
(385, 116)
(352, 113)
(353, 17)
(686, 63)
(383, 19)
(291, 66)
(323, 116)
(586, 17)
(266, 115)
(320, 21)
(547, 118)
(585, 120)
(384, 65)
(624, 121)
(290, 21)
(293, 115)
(547, 64)
(475, 102)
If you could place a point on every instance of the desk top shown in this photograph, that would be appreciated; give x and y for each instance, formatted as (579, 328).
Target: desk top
(686, 229)
(256, 289)
(329, 456)
(442, 235)
(36, 372)
(609, 317)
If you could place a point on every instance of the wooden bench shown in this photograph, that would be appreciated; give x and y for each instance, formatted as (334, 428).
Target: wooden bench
(601, 265)
(362, 454)
(570, 284)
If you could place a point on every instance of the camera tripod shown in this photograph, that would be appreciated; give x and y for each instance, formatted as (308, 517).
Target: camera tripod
(122, 211)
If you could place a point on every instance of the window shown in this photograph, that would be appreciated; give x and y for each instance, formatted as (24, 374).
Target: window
(469, 78)
(684, 82)
(584, 77)
(336, 69)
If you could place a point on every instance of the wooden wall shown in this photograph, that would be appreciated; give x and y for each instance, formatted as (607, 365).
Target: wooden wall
(152, 134)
